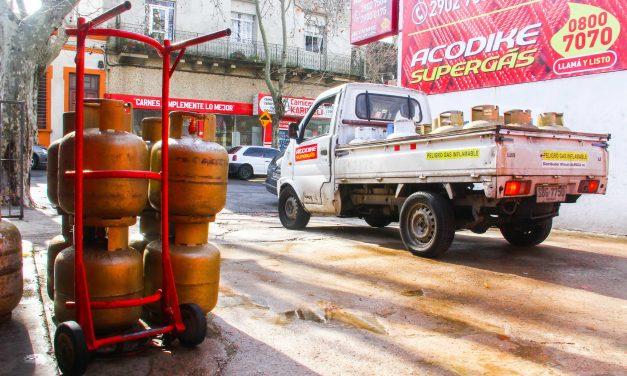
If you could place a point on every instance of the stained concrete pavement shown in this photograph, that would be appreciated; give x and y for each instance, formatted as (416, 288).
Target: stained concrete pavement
(343, 298)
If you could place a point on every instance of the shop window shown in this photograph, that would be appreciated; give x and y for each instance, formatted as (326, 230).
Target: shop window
(319, 124)
(160, 19)
(314, 43)
(92, 88)
(242, 27)
(238, 130)
(41, 102)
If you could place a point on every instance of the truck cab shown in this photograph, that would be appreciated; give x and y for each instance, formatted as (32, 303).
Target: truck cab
(335, 115)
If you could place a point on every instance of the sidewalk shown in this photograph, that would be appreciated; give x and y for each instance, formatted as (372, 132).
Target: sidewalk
(25, 345)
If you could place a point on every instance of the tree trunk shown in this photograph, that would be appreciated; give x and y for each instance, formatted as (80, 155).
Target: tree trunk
(26, 48)
(276, 91)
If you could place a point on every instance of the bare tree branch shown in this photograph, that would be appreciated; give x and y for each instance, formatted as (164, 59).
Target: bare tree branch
(381, 61)
(266, 48)
(22, 8)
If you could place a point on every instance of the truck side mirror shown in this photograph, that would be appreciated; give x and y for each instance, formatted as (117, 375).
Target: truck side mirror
(293, 130)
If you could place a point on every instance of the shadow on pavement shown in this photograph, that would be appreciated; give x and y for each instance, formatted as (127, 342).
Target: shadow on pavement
(16, 350)
(225, 351)
(595, 272)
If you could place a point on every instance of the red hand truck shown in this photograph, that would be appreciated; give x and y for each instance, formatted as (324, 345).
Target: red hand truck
(75, 341)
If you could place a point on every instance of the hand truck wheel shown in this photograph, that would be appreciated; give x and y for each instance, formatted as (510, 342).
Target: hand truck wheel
(195, 325)
(70, 348)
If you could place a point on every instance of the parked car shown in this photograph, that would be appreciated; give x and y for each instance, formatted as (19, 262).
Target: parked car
(39, 159)
(274, 173)
(246, 161)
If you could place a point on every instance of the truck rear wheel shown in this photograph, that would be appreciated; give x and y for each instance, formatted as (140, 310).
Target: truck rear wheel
(528, 234)
(427, 224)
(291, 212)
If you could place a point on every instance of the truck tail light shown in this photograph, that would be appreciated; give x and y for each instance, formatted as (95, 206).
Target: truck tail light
(517, 187)
(588, 186)
(234, 157)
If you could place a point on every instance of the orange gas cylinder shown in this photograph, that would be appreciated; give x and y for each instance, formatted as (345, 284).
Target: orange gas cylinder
(10, 269)
(449, 121)
(92, 117)
(484, 116)
(52, 171)
(198, 167)
(114, 272)
(195, 265)
(518, 117)
(56, 245)
(198, 178)
(486, 112)
(109, 147)
(151, 131)
(149, 223)
(196, 270)
(552, 121)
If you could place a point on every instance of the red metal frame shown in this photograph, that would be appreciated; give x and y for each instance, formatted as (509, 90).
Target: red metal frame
(117, 174)
(168, 296)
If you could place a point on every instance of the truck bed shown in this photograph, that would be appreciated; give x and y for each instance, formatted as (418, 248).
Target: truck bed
(487, 154)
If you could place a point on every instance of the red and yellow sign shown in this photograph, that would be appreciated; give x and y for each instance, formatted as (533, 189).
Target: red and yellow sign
(372, 20)
(454, 45)
(305, 153)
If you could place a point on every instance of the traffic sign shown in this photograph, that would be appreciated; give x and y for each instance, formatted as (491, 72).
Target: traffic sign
(265, 119)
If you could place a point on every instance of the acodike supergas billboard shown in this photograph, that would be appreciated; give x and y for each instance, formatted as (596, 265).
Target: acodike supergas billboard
(453, 45)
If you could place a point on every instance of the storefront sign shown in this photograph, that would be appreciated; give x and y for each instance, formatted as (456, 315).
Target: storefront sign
(453, 45)
(283, 133)
(372, 20)
(193, 105)
(294, 107)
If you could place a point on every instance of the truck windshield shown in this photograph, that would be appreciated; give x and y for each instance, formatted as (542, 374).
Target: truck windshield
(387, 107)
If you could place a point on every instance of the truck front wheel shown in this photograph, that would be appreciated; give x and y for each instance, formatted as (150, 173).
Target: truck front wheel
(528, 234)
(291, 212)
(427, 224)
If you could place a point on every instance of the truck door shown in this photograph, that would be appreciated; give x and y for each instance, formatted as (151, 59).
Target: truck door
(312, 153)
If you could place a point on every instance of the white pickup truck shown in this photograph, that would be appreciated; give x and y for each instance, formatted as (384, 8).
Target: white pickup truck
(508, 176)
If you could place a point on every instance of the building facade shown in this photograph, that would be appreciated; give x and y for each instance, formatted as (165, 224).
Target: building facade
(223, 77)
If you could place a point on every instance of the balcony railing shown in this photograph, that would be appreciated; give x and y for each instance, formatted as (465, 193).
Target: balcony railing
(252, 52)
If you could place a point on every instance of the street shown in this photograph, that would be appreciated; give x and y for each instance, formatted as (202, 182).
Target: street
(341, 297)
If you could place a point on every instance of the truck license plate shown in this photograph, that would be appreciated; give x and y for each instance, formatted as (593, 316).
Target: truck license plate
(551, 193)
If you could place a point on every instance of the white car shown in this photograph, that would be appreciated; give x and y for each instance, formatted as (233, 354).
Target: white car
(246, 161)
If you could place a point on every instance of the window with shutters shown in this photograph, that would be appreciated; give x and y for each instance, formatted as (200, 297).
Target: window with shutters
(42, 95)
